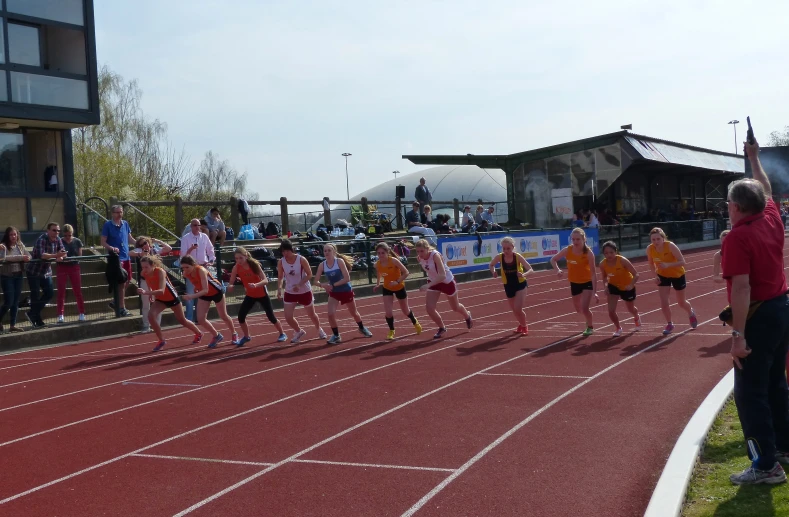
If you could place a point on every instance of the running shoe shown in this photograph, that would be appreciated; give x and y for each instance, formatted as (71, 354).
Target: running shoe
(754, 476)
(159, 345)
(418, 328)
(390, 335)
(366, 332)
(197, 339)
(234, 339)
(82, 318)
(440, 333)
(334, 340)
(519, 330)
(618, 332)
(61, 319)
(588, 332)
(244, 340)
(300, 334)
(637, 322)
(282, 337)
(669, 329)
(321, 334)
(525, 330)
(694, 321)
(216, 340)
(469, 321)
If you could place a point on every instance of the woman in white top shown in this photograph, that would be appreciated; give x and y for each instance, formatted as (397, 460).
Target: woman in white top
(294, 271)
(439, 280)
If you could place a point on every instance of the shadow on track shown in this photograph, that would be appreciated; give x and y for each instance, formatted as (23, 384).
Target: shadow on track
(493, 345)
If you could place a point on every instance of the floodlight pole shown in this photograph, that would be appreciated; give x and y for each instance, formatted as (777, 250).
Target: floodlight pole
(347, 187)
(734, 123)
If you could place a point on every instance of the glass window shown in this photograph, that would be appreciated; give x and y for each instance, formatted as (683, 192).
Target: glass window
(2, 43)
(3, 87)
(24, 45)
(66, 11)
(12, 174)
(49, 91)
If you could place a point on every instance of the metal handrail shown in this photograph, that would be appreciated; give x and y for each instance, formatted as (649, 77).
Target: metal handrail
(150, 219)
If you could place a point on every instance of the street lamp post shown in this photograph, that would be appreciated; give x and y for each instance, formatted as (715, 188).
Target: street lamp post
(347, 187)
(395, 173)
(734, 123)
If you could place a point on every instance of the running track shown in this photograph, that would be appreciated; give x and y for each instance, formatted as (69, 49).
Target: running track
(482, 422)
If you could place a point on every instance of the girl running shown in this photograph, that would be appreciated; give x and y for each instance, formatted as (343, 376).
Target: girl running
(254, 280)
(294, 271)
(669, 265)
(207, 289)
(162, 296)
(581, 274)
(717, 274)
(514, 270)
(392, 274)
(335, 267)
(439, 281)
(620, 276)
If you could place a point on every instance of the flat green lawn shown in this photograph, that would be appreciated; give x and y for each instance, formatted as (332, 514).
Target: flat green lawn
(711, 492)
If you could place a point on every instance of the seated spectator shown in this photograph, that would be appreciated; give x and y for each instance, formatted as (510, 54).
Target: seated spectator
(216, 227)
(485, 220)
(441, 224)
(413, 221)
(467, 220)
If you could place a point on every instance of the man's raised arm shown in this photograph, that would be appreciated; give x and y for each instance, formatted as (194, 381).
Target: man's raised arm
(752, 150)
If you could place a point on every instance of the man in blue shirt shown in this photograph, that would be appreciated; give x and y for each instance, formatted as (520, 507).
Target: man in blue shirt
(116, 236)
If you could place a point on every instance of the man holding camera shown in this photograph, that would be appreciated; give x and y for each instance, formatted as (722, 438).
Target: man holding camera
(753, 266)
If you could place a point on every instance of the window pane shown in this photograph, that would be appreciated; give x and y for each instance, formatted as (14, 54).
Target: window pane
(11, 172)
(3, 87)
(23, 45)
(67, 11)
(49, 91)
(2, 43)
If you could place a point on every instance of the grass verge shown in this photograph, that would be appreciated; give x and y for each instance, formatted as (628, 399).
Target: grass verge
(711, 493)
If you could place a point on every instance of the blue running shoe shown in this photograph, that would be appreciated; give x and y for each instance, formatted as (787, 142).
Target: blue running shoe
(334, 340)
(159, 345)
(282, 337)
(242, 341)
(215, 341)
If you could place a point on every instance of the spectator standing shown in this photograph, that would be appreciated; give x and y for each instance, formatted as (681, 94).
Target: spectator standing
(13, 254)
(197, 245)
(116, 236)
(216, 227)
(69, 271)
(39, 271)
(753, 266)
(422, 194)
(146, 247)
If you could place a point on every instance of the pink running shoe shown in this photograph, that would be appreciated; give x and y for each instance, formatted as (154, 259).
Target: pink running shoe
(669, 329)
(694, 321)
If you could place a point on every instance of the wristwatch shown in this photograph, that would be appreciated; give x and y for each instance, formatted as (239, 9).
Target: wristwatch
(735, 333)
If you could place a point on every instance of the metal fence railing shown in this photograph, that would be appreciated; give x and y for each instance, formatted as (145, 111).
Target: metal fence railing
(636, 235)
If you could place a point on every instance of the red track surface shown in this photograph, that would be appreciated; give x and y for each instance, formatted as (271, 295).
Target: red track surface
(482, 422)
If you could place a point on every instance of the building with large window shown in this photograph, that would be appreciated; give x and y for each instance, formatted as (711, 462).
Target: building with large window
(48, 86)
(623, 173)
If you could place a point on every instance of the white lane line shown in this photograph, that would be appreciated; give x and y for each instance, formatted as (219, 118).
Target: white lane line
(162, 384)
(481, 454)
(371, 465)
(420, 397)
(535, 375)
(206, 460)
(232, 417)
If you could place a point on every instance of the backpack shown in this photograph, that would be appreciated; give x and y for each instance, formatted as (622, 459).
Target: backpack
(272, 228)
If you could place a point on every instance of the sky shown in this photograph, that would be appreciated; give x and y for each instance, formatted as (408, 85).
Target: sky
(281, 89)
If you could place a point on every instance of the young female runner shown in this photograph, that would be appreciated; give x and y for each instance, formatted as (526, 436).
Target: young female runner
(254, 280)
(207, 289)
(163, 296)
(581, 274)
(620, 276)
(294, 271)
(335, 267)
(514, 270)
(439, 280)
(392, 274)
(717, 274)
(668, 263)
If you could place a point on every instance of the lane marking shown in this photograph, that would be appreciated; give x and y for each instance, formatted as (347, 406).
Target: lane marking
(206, 460)
(206, 426)
(371, 465)
(535, 375)
(481, 454)
(162, 384)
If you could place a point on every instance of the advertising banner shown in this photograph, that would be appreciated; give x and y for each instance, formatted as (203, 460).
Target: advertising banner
(466, 254)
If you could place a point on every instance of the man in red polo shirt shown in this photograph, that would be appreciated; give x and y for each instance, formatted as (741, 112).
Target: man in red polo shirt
(753, 265)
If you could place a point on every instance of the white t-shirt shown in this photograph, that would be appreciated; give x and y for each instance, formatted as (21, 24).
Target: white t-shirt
(429, 266)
